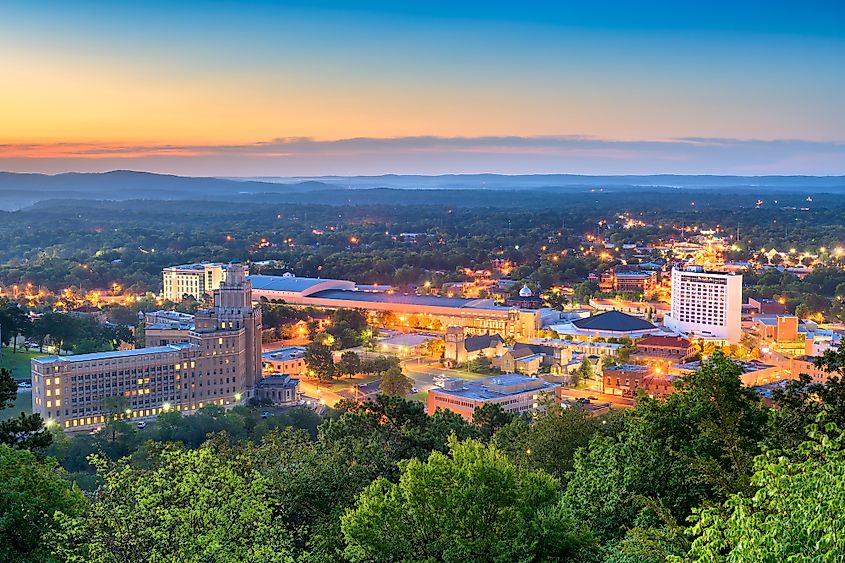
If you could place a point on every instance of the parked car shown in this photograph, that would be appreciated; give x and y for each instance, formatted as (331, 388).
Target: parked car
(142, 425)
(414, 390)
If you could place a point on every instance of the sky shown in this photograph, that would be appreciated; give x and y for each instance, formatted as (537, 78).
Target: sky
(318, 87)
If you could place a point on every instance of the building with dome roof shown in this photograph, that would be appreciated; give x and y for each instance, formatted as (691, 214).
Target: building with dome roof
(525, 300)
(610, 324)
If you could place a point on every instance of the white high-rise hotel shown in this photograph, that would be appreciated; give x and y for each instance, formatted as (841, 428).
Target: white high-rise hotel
(706, 305)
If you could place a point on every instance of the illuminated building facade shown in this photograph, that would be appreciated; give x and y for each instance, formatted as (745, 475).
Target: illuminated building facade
(195, 280)
(513, 392)
(706, 305)
(476, 316)
(217, 362)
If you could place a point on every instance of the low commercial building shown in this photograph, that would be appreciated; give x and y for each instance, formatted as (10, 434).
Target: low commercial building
(513, 392)
(626, 379)
(405, 345)
(635, 281)
(804, 364)
(289, 361)
(571, 348)
(663, 350)
(763, 306)
(754, 372)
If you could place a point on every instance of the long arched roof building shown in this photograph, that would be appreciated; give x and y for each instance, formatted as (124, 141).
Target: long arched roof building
(478, 316)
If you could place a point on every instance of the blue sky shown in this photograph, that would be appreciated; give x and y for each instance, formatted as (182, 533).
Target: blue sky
(423, 87)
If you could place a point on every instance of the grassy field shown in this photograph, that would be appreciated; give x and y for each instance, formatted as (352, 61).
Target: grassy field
(19, 365)
(23, 403)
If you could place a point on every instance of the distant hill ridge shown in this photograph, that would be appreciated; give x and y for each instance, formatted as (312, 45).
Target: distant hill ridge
(20, 190)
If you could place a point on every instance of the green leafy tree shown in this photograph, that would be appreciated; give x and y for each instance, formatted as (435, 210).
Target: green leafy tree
(550, 441)
(584, 291)
(585, 370)
(319, 359)
(191, 505)
(395, 383)
(794, 511)
(14, 322)
(314, 482)
(697, 444)
(471, 505)
(349, 364)
(556, 299)
(489, 418)
(31, 493)
(400, 426)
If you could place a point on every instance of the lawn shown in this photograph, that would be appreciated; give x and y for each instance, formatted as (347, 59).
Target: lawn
(18, 364)
(23, 403)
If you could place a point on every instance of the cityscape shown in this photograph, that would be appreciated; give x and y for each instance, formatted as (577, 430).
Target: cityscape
(506, 283)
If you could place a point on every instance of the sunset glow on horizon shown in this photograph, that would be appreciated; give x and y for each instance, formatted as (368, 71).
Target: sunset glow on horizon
(295, 88)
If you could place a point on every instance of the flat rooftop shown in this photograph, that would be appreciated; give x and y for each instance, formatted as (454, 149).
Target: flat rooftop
(497, 387)
(197, 266)
(747, 366)
(115, 354)
(561, 343)
(283, 354)
(409, 340)
(633, 274)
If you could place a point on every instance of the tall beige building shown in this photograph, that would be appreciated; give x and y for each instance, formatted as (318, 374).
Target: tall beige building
(215, 362)
(196, 280)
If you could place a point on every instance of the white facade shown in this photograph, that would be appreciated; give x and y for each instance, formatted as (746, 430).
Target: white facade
(192, 279)
(706, 305)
